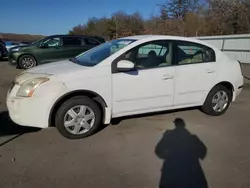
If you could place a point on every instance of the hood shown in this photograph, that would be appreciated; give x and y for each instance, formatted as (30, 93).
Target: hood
(11, 48)
(48, 70)
(60, 67)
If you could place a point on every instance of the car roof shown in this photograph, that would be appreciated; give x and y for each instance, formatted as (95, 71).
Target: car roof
(89, 36)
(140, 37)
(168, 37)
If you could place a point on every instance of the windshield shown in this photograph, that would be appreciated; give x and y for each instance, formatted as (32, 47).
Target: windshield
(101, 52)
(37, 41)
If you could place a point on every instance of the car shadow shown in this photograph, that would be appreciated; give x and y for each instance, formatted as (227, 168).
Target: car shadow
(181, 153)
(9, 128)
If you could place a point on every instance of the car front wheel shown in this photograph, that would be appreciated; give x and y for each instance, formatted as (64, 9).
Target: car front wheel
(78, 117)
(217, 101)
(27, 62)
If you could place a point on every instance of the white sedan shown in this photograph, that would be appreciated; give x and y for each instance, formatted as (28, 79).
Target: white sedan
(126, 76)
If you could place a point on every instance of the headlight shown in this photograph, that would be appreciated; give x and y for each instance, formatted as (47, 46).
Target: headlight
(27, 88)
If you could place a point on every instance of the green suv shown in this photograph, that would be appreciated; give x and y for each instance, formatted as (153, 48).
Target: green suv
(50, 49)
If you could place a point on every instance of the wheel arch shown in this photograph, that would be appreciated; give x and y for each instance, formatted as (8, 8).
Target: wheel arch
(227, 84)
(91, 94)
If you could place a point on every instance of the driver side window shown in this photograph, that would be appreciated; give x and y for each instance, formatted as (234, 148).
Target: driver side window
(52, 42)
(151, 55)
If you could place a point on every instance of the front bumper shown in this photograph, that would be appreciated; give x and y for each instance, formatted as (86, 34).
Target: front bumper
(34, 111)
(3, 54)
(13, 58)
(31, 112)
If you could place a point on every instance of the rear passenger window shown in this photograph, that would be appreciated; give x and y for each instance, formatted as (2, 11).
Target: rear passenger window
(90, 41)
(189, 53)
(72, 41)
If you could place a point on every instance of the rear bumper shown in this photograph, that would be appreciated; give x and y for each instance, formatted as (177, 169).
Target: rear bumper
(238, 88)
(237, 93)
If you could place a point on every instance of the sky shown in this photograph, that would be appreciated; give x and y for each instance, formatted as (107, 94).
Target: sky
(49, 17)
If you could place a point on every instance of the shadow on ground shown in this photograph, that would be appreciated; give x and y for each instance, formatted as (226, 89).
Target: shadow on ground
(8, 128)
(181, 153)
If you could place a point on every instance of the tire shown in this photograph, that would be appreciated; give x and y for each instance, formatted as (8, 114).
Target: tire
(209, 106)
(27, 62)
(78, 125)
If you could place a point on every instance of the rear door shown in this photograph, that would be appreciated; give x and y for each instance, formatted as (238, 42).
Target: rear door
(72, 46)
(91, 42)
(195, 73)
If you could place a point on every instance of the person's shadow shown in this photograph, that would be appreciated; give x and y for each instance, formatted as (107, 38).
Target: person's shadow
(181, 152)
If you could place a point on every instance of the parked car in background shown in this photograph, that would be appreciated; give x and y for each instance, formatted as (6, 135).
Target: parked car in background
(10, 44)
(3, 50)
(24, 42)
(52, 48)
(127, 76)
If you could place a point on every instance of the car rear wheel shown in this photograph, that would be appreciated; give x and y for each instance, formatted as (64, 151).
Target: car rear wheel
(78, 117)
(217, 101)
(27, 62)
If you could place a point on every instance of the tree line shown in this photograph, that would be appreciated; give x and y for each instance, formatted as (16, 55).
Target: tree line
(19, 37)
(175, 17)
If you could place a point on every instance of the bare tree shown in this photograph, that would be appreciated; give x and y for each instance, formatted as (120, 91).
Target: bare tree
(176, 17)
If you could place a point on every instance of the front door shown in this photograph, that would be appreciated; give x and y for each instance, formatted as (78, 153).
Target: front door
(195, 73)
(49, 50)
(148, 88)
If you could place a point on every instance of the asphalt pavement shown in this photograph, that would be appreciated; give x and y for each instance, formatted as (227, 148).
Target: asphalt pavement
(139, 152)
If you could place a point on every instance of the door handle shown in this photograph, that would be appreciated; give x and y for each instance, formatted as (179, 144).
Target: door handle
(167, 77)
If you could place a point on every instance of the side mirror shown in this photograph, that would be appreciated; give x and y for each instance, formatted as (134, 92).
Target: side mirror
(125, 65)
(44, 45)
